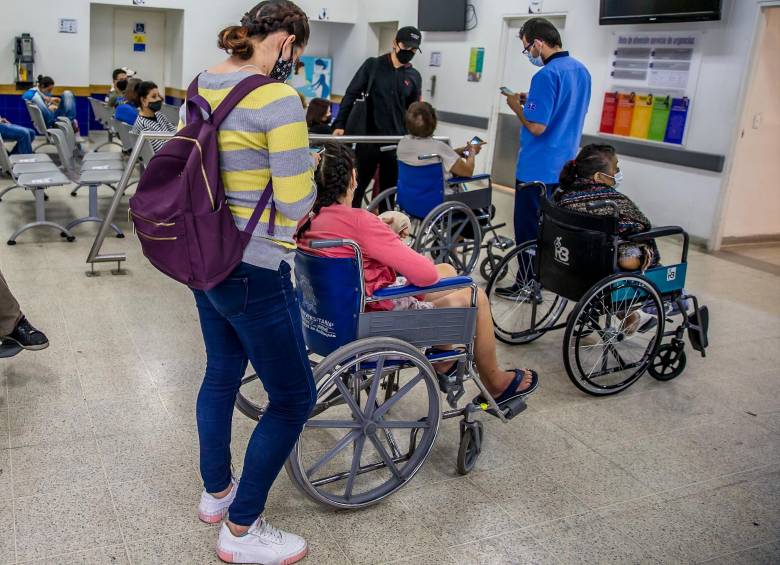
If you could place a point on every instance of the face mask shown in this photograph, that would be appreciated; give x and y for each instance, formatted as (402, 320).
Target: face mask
(535, 61)
(405, 56)
(282, 68)
(121, 84)
(155, 106)
(617, 179)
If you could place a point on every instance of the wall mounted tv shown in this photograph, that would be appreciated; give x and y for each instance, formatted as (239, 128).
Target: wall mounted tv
(657, 11)
(441, 15)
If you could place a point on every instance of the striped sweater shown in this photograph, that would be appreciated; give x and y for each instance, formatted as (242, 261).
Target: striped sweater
(264, 137)
(158, 123)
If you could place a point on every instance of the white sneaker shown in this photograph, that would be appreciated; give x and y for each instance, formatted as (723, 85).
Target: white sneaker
(211, 509)
(261, 544)
(639, 322)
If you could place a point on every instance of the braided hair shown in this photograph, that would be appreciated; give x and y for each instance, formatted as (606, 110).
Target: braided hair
(332, 177)
(267, 17)
(593, 158)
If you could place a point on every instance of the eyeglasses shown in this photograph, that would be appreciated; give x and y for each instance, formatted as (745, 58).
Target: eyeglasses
(525, 47)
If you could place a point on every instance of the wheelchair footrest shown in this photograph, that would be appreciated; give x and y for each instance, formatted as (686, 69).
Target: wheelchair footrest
(510, 408)
(697, 331)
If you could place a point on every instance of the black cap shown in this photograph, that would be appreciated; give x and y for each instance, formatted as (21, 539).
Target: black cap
(409, 36)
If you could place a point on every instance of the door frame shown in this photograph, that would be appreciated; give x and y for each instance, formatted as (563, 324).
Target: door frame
(502, 55)
(726, 192)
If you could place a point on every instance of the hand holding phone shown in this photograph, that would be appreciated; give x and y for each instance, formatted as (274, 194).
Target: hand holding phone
(317, 150)
(476, 140)
(506, 91)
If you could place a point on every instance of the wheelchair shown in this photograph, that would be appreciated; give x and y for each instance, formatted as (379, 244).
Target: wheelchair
(575, 259)
(448, 227)
(378, 406)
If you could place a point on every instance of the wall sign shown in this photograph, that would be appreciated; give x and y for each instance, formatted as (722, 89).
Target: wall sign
(652, 80)
(435, 59)
(68, 25)
(476, 62)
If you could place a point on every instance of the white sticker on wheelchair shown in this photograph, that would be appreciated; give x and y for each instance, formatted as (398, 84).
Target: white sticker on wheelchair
(319, 325)
(561, 252)
(671, 274)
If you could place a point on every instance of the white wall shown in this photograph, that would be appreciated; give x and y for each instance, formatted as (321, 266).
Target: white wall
(101, 42)
(63, 56)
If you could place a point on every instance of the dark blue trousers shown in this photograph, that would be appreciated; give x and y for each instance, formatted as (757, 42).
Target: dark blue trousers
(527, 211)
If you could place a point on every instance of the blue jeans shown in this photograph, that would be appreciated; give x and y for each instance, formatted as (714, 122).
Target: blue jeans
(253, 315)
(527, 211)
(66, 108)
(21, 135)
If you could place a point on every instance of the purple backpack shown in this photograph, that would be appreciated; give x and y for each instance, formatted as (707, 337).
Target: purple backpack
(179, 209)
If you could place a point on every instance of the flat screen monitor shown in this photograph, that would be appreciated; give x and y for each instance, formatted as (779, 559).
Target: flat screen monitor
(658, 11)
(441, 15)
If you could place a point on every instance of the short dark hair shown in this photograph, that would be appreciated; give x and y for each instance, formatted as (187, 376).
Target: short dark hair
(540, 28)
(143, 89)
(593, 158)
(45, 81)
(118, 72)
(421, 119)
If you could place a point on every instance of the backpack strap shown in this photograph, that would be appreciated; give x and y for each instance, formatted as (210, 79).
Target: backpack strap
(254, 219)
(195, 103)
(236, 95)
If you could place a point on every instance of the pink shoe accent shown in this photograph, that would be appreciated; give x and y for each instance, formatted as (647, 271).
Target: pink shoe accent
(297, 557)
(225, 556)
(211, 518)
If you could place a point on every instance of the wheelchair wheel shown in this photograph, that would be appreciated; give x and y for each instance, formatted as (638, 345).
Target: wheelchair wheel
(522, 309)
(441, 236)
(608, 344)
(357, 451)
(669, 362)
(471, 436)
(383, 201)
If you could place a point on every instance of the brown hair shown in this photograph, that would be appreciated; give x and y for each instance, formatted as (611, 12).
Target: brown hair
(421, 119)
(316, 112)
(593, 158)
(267, 17)
(131, 92)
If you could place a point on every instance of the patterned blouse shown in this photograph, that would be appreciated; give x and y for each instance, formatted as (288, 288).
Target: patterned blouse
(158, 123)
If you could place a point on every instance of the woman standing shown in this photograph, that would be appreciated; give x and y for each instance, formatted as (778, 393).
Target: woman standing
(149, 116)
(253, 315)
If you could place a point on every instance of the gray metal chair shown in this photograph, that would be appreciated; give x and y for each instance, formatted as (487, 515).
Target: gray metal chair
(171, 112)
(103, 115)
(39, 123)
(126, 135)
(91, 175)
(90, 161)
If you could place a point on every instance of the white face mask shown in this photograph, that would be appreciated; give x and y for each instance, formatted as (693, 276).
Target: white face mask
(535, 61)
(617, 179)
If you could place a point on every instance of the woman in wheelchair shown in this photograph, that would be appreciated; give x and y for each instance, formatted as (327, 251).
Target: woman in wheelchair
(593, 177)
(385, 257)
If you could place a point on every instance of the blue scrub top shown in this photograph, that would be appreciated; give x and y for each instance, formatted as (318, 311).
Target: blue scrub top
(558, 98)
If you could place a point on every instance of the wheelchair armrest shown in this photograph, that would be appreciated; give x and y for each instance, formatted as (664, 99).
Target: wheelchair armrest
(325, 243)
(411, 290)
(464, 180)
(539, 185)
(663, 231)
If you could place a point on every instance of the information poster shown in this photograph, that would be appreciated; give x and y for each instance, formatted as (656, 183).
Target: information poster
(313, 77)
(476, 63)
(652, 81)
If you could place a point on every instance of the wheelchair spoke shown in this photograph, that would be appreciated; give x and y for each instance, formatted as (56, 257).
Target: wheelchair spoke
(382, 410)
(357, 454)
(389, 463)
(333, 451)
(346, 393)
(343, 424)
(371, 400)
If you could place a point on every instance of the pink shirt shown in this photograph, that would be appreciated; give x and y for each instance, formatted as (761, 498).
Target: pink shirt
(384, 254)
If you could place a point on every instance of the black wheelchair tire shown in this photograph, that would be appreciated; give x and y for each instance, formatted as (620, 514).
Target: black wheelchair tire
(668, 356)
(468, 452)
(600, 390)
(547, 320)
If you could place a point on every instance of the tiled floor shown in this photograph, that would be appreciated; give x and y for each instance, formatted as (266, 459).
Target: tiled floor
(98, 455)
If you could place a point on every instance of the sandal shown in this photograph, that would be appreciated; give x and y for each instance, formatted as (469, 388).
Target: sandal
(511, 392)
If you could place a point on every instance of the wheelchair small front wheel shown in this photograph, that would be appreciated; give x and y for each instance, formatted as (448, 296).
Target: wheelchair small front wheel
(382, 414)
(522, 309)
(669, 362)
(613, 334)
(471, 437)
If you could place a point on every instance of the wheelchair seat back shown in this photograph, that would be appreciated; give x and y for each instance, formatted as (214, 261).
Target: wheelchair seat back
(574, 250)
(420, 188)
(330, 298)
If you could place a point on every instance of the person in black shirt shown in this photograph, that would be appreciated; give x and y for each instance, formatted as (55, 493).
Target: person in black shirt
(396, 86)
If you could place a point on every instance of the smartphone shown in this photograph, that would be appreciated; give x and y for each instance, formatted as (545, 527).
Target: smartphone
(505, 91)
(476, 141)
(317, 150)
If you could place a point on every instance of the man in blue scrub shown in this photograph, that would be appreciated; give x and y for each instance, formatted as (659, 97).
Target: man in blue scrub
(552, 114)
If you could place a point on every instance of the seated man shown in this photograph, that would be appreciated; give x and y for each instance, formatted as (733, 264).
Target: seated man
(385, 257)
(51, 106)
(23, 136)
(421, 123)
(16, 332)
(594, 177)
(118, 86)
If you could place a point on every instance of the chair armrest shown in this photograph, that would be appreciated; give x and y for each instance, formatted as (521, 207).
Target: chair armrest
(464, 180)
(411, 290)
(653, 233)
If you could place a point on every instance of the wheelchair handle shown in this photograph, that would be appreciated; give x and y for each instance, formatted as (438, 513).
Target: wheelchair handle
(428, 156)
(387, 148)
(324, 243)
(607, 203)
(537, 183)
